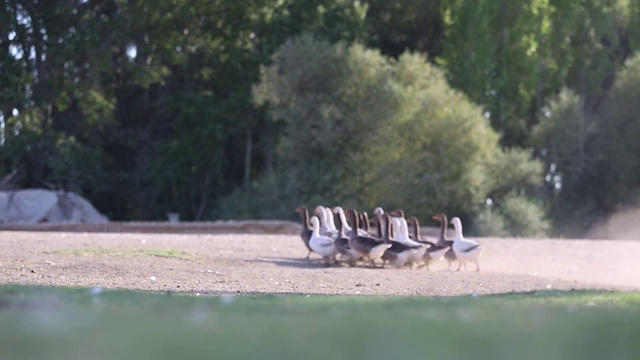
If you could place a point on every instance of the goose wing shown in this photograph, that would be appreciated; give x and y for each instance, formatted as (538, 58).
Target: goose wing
(466, 245)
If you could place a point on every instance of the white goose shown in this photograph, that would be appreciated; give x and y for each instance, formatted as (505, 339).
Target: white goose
(321, 244)
(401, 235)
(324, 227)
(328, 217)
(465, 249)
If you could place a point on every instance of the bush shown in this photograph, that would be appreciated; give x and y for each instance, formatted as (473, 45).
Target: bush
(523, 217)
(489, 223)
(364, 130)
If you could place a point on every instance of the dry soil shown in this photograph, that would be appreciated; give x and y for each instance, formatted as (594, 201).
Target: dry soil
(249, 264)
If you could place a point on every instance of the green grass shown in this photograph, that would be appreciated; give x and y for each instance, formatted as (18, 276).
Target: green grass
(62, 323)
(176, 254)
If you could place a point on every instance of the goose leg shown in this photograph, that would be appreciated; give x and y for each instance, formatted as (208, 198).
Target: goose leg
(308, 255)
(477, 266)
(459, 266)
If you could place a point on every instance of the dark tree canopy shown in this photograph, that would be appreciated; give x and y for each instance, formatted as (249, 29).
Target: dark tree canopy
(146, 107)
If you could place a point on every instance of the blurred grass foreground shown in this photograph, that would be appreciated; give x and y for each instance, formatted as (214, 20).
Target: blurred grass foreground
(64, 323)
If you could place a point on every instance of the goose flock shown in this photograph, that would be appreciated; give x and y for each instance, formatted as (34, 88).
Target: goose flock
(335, 233)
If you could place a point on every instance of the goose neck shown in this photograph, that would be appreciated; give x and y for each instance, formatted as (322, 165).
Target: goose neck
(457, 226)
(343, 219)
(305, 218)
(443, 229)
(416, 228)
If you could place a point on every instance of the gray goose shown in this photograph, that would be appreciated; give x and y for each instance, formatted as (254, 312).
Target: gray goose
(338, 210)
(369, 248)
(435, 252)
(342, 245)
(364, 222)
(449, 255)
(398, 254)
(305, 234)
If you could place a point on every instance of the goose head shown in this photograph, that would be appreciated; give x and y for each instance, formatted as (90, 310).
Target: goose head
(319, 211)
(397, 213)
(440, 217)
(305, 215)
(378, 211)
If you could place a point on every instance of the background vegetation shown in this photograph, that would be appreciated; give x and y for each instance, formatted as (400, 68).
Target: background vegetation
(521, 117)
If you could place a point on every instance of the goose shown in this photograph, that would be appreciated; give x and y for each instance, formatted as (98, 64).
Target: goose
(401, 235)
(365, 224)
(305, 234)
(376, 225)
(378, 211)
(324, 226)
(340, 211)
(328, 216)
(397, 213)
(369, 248)
(399, 254)
(342, 245)
(321, 244)
(435, 252)
(465, 249)
(449, 255)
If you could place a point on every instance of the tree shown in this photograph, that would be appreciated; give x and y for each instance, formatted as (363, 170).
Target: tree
(399, 26)
(511, 57)
(364, 130)
(591, 159)
(145, 107)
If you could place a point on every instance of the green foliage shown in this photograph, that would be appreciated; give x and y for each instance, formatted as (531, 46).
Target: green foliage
(489, 222)
(513, 215)
(398, 26)
(364, 130)
(146, 107)
(592, 159)
(150, 99)
(511, 57)
(433, 154)
(617, 142)
(330, 97)
(514, 170)
(633, 19)
(523, 217)
(497, 52)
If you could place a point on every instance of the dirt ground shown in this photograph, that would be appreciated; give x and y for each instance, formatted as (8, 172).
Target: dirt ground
(250, 263)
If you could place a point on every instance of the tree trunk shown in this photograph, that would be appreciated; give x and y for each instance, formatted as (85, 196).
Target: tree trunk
(203, 198)
(247, 157)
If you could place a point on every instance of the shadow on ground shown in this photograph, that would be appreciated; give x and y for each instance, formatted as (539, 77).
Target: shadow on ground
(302, 263)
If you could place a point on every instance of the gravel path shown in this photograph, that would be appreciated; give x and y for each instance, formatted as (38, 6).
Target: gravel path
(239, 263)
